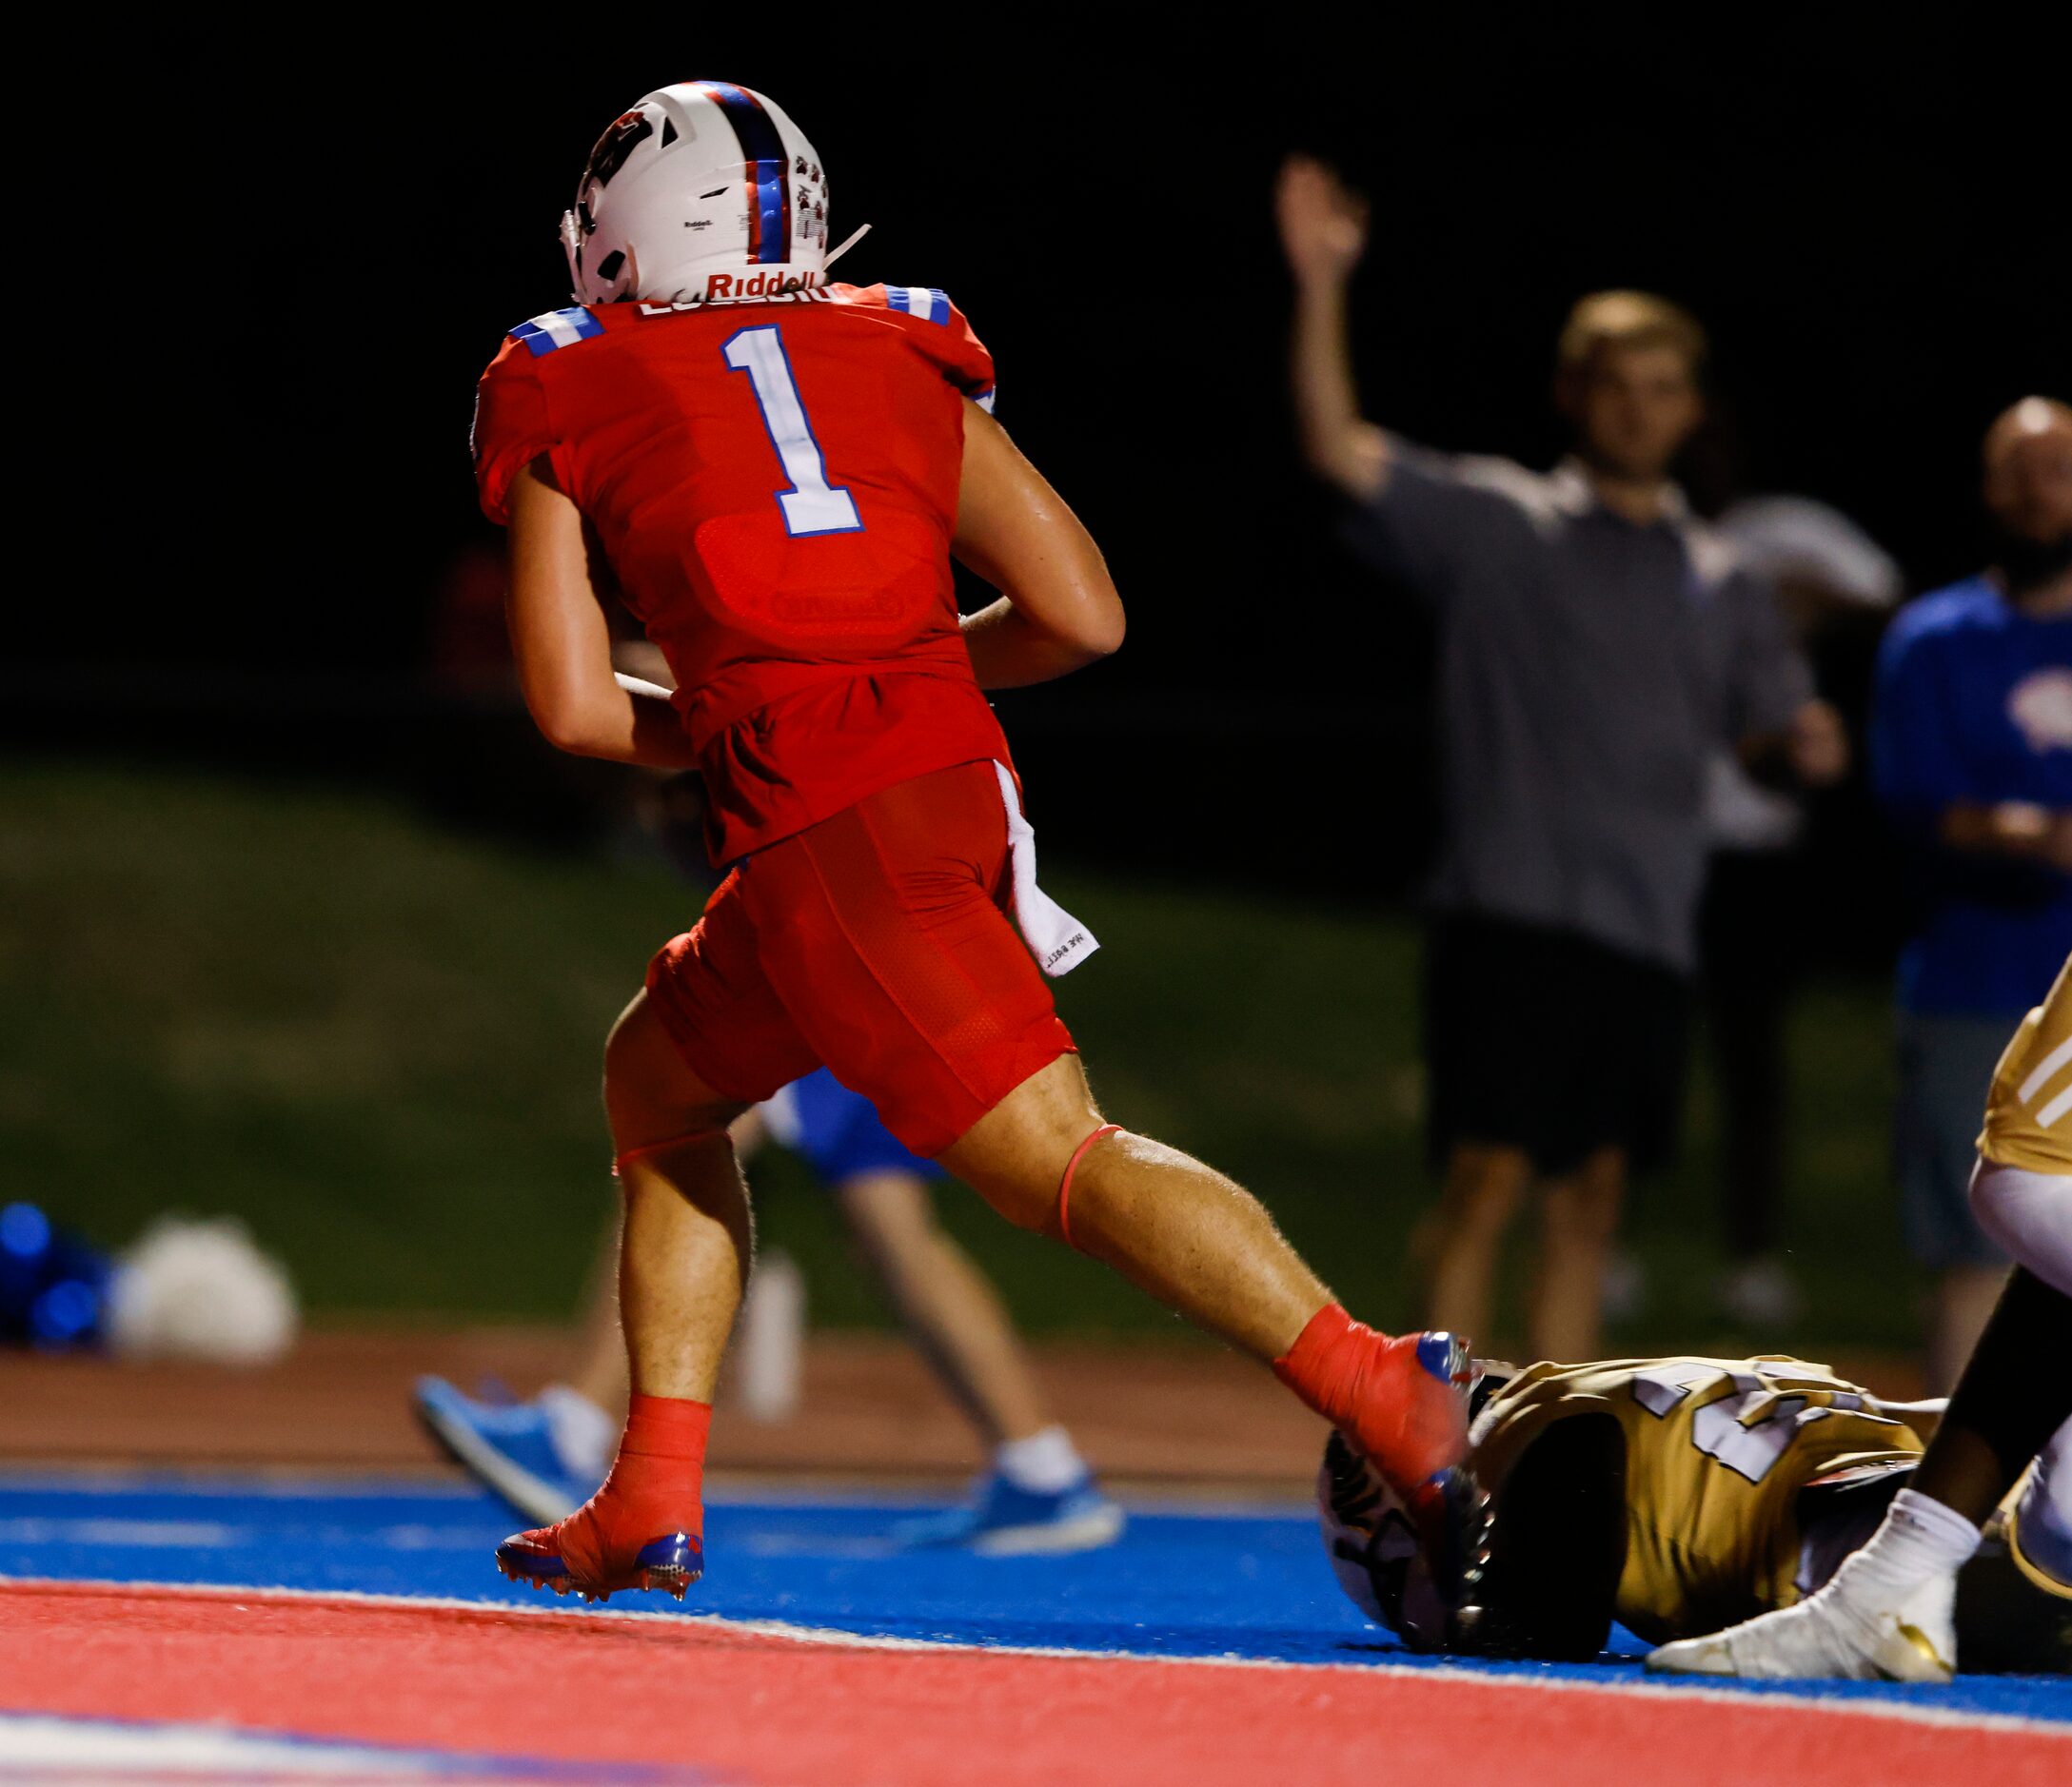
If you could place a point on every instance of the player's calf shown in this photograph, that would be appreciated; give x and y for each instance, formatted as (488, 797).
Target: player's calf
(683, 1257)
(1205, 1247)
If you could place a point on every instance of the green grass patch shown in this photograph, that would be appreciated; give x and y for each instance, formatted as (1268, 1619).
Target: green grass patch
(378, 1042)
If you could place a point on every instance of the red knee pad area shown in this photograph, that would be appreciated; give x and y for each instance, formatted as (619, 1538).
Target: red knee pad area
(747, 1707)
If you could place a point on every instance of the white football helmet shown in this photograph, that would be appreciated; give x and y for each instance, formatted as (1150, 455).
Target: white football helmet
(1373, 1550)
(704, 190)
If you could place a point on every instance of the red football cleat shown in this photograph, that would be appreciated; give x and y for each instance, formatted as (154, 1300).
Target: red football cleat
(1412, 1419)
(577, 1555)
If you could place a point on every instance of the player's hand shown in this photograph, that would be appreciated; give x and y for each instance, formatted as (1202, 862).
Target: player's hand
(1323, 221)
(1819, 745)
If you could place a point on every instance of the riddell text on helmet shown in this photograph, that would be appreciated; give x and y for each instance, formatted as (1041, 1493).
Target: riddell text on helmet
(758, 284)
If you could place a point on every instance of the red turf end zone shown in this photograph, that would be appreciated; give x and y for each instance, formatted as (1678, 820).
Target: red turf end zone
(742, 1706)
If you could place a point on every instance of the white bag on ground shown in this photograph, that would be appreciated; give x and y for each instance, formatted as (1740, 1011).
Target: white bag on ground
(191, 1289)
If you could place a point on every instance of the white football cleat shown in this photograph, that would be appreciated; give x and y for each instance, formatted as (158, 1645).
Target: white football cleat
(1863, 1636)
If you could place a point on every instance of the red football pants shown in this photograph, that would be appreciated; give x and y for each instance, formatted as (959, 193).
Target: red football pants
(878, 943)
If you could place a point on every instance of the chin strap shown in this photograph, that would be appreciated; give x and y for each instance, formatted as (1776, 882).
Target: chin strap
(854, 236)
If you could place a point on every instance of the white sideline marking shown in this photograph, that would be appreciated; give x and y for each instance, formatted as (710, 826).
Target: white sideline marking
(834, 1637)
(89, 1749)
(268, 1483)
(767, 1544)
(114, 1533)
(106, 1531)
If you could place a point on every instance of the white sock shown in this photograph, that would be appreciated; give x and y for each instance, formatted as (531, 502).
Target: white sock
(1043, 1463)
(582, 1433)
(1920, 1539)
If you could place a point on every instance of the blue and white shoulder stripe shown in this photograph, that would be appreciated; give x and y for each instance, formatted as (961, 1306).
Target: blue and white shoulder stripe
(556, 328)
(923, 302)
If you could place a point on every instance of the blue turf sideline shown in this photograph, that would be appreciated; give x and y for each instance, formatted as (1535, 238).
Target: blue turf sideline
(1248, 1583)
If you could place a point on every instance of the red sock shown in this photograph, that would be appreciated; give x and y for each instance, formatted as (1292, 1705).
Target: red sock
(1350, 1375)
(655, 1487)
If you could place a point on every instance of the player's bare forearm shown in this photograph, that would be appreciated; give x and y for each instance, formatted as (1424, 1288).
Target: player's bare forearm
(1058, 609)
(1323, 226)
(1340, 445)
(1009, 651)
(651, 734)
(635, 724)
(562, 645)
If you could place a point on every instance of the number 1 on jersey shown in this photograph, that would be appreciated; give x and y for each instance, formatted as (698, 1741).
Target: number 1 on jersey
(812, 506)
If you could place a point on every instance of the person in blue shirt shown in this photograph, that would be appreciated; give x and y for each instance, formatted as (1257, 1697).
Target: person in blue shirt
(1971, 749)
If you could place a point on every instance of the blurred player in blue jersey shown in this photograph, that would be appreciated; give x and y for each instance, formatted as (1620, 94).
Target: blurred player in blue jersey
(546, 1454)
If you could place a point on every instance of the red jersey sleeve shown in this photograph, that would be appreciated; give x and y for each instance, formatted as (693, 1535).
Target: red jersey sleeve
(511, 425)
(943, 332)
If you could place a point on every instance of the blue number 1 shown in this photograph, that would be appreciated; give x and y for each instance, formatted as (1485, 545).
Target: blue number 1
(811, 505)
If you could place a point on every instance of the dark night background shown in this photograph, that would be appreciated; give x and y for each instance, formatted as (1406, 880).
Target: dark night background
(311, 259)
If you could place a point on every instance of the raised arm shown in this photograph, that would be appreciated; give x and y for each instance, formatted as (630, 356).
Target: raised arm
(1323, 226)
(1058, 610)
(564, 646)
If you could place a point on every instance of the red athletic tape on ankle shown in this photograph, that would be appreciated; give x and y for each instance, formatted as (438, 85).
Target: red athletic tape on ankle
(1064, 1184)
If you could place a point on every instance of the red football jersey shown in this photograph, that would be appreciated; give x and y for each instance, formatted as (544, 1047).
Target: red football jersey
(774, 485)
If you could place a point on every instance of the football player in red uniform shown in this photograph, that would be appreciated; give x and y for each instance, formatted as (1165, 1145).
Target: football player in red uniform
(776, 472)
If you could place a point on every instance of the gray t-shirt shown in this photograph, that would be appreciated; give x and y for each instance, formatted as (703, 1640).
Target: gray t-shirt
(1588, 669)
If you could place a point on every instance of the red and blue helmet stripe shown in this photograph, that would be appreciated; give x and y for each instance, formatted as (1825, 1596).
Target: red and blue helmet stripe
(762, 148)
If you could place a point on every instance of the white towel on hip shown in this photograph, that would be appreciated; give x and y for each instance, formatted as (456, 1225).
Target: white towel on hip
(1058, 940)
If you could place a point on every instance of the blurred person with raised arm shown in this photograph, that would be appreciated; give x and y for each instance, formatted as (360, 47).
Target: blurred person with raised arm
(1596, 642)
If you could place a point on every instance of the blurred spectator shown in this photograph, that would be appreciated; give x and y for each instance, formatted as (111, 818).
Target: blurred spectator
(1972, 753)
(467, 650)
(1596, 644)
(1824, 570)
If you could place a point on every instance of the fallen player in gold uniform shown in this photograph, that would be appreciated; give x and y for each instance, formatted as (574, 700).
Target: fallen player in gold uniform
(1676, 1496)
(1892, 1608)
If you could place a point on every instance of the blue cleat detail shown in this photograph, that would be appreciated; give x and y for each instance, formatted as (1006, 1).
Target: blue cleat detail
(678, 1551)
(672, 1563)
(507, 1445)
(1002, 1519)
(1447, 1357)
